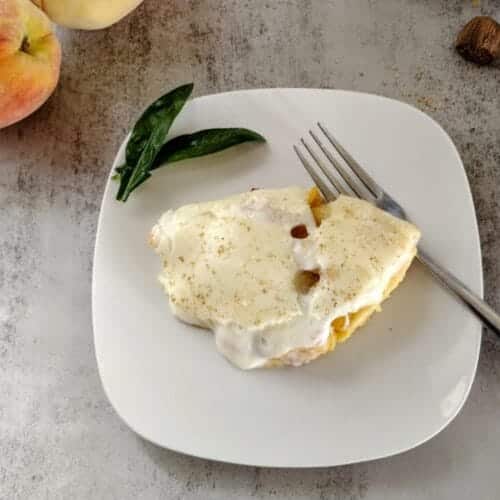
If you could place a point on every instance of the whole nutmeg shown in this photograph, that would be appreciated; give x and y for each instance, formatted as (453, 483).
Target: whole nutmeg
(479, 40)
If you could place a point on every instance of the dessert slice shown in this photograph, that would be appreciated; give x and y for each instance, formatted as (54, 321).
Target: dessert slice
(280, 276)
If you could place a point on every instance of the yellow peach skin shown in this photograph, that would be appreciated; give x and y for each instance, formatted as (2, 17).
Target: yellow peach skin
(30, 57)
(87, 14)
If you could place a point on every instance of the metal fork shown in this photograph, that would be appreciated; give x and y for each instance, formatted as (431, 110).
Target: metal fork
(363, 186)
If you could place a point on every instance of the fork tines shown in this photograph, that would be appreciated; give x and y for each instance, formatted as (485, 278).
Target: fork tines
(351, 180)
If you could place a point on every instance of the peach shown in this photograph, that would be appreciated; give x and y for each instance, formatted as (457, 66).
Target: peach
(87, 14)
(30, 58)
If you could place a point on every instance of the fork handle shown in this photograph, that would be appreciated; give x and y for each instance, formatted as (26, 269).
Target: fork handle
(479, 307)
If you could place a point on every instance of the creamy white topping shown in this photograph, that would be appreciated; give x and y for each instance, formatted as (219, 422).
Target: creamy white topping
(230, 266)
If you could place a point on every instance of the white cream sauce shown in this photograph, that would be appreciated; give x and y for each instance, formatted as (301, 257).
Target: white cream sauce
(230, 266)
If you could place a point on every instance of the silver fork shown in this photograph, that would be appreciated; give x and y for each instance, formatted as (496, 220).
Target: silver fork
(363, 186)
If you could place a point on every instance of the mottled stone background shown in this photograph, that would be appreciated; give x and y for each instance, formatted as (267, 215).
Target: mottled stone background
(59, 437)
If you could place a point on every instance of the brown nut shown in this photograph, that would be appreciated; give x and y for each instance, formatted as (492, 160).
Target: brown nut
(479, 40)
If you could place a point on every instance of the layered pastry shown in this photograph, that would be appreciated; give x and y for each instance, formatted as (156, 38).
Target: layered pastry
(280, 276)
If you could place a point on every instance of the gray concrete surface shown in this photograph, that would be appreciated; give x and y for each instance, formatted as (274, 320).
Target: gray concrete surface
(59, 437)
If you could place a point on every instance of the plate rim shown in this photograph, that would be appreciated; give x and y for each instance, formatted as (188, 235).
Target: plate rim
(480, 285)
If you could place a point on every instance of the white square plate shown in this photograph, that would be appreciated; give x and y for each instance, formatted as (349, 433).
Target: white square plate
(399, 380)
